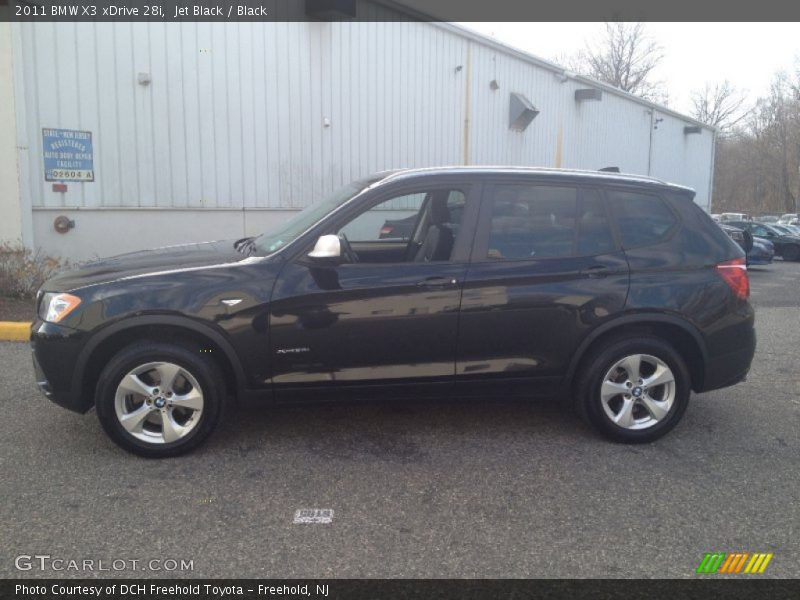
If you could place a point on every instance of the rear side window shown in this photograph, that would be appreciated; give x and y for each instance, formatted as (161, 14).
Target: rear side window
(541, 221)
(532, 221)
(643, 219)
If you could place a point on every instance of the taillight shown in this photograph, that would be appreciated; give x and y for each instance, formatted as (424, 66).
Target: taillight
(386, 229)
(734, 273)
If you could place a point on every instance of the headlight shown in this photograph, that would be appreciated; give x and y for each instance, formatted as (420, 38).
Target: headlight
(55, 307)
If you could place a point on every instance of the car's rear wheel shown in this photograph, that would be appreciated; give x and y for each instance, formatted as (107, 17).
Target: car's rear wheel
(634, 389)
(159, 400)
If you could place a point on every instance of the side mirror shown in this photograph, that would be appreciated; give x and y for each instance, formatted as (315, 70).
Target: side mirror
(327, 248)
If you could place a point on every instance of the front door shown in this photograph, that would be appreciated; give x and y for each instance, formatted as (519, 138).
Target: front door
(388, 322)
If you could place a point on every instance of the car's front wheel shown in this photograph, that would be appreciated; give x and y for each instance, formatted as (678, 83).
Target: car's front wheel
(634, 389)
(158, 400)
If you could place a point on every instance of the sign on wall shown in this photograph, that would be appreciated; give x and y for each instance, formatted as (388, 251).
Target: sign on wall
(68, 155)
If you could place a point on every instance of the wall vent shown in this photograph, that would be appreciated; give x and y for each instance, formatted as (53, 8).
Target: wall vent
(588, 94)
(520, 112)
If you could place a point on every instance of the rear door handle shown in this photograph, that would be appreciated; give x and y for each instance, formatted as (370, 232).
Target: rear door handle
(596, 271)
(438, 283)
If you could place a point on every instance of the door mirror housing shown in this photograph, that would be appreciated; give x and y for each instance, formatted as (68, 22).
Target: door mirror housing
(328, 249)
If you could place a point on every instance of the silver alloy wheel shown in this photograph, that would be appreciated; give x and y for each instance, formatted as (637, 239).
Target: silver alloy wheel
(638, 391)
(159, 402)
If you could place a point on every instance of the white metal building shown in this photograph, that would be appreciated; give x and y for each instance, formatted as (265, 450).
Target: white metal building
(210, 130)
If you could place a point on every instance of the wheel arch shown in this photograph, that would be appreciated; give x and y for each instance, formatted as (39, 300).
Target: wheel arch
(682, 335)
(177, 329)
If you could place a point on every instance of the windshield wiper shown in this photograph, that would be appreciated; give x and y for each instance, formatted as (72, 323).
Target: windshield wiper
(245, 245)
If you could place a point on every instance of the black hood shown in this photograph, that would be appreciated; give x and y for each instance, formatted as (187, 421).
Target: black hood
(143, 262)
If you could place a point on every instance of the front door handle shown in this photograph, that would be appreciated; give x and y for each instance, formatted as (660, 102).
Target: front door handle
(596, 271)
(438, 283)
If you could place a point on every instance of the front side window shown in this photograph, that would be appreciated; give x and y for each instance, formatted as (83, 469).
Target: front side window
(424, 224)
(643, 219)
(394, 219)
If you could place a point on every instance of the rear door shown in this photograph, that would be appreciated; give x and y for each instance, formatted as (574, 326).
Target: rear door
(546, 269)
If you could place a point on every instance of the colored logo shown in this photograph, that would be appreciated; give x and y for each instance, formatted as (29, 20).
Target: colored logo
(734, 562)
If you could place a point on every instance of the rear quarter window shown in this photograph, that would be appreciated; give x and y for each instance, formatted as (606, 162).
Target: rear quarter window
(643, 218)
(700, 237)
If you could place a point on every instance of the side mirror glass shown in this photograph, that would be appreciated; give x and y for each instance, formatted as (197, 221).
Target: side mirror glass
(328, 247)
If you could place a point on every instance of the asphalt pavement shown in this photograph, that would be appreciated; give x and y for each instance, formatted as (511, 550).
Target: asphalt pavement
(489, 488)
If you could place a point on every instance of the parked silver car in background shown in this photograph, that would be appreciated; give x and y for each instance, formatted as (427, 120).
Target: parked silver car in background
(734, 216)
(789, 219)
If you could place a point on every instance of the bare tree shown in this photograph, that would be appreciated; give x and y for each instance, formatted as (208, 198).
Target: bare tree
(720, 105)
(757, 166)
(624, 56)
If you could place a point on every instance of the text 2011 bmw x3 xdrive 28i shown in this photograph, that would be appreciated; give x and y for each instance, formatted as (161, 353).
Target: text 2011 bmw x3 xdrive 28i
(615, 292)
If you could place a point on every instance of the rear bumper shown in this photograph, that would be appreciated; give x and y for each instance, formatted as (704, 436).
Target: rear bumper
(729, 368)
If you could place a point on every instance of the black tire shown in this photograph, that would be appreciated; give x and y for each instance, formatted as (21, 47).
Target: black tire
(206, 373)
(588, 399)
(791, 252)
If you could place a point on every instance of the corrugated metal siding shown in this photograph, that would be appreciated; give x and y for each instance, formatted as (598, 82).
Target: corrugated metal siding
(234, 116)
(685, 158)
(612, 132)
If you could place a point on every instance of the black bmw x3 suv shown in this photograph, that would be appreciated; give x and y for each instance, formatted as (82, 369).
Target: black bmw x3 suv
(616, 294)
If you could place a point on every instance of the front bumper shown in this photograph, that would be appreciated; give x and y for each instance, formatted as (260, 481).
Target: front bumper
(55, 350)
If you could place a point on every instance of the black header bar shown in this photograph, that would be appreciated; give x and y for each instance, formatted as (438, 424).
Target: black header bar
(377, 589)
(390, 10)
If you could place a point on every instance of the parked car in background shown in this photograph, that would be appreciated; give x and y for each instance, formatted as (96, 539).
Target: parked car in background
(729, 216)
(715, 217)
(789, 219)
(402, 229)
(790, 229)
(787, 246)
(586, 287)
(741, 236)
(758, 250)
(767, 219)
(761, 253)
(398, 229)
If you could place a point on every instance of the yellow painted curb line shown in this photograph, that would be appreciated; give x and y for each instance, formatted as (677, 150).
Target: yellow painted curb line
(14, 331)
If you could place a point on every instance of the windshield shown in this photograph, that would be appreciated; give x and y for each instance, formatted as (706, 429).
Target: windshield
(290, 230)
(774, 230)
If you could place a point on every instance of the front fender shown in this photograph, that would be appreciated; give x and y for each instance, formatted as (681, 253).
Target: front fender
(215, 335)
